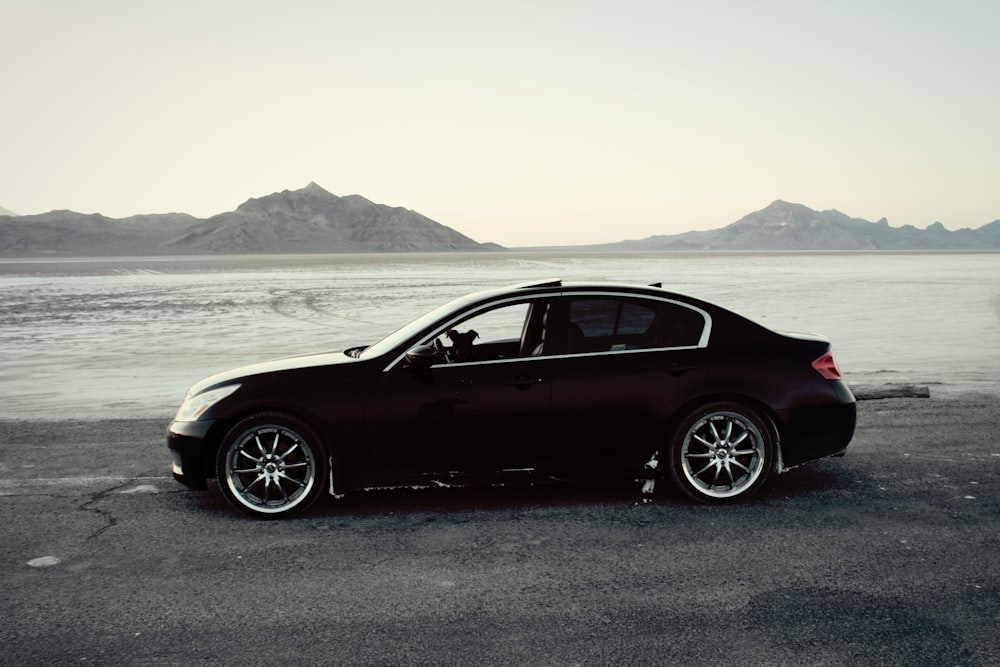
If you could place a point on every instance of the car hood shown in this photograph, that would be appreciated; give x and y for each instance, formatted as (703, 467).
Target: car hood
(287, 364)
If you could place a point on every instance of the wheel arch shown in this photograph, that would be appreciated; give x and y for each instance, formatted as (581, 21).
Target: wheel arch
(223, 426)
(299, 439)
(761, 408)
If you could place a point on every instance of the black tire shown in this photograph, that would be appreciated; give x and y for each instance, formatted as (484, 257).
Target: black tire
(722, 452)
(271, 465)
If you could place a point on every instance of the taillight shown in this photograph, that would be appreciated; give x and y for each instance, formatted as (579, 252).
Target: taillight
(827, 367)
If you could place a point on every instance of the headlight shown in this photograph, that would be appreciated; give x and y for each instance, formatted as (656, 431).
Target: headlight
(194, 406)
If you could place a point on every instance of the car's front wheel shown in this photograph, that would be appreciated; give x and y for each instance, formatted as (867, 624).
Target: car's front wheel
(722, 452)
(270, 465)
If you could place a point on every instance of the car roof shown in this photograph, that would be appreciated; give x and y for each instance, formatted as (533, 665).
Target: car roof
(651, 289)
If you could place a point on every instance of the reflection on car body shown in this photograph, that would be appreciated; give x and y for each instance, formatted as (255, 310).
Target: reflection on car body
(568, 380)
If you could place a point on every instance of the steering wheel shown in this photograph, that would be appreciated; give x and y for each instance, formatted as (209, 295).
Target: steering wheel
(442, 350)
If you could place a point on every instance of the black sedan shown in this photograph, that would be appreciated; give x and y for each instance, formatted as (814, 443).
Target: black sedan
(550, 379)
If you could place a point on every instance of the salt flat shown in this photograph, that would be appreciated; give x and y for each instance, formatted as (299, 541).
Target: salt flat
(126, 337)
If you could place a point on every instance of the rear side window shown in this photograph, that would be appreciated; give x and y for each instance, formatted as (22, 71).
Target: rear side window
(595, 317)
(634, 319)
(609, 324)
(681, 327)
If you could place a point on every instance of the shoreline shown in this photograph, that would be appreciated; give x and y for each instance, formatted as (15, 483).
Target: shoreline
(14, 265)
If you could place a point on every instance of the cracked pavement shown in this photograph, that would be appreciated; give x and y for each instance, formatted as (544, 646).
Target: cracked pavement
(888, 556)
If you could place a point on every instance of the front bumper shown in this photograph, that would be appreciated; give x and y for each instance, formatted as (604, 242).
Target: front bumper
(192, 455)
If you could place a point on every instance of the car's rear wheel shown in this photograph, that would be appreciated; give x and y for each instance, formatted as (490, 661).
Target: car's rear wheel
(271, 465)
(722, 452)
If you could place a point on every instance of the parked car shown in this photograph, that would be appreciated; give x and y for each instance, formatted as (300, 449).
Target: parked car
(552, 379)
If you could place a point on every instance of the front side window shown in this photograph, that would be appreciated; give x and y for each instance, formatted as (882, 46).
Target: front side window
(485, 336)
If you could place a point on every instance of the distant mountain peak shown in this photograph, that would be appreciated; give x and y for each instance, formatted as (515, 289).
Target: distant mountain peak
(780, 208)
(313, 187)
(780, 204)
(312, 219)
(789, 226)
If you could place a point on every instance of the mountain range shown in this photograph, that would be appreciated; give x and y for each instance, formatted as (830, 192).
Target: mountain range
(309, 220)
(312, 220)
(786, 226)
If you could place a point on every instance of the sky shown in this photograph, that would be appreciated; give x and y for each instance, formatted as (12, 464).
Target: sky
(537, 122)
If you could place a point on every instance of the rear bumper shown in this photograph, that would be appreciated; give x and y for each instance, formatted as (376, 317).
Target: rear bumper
(813, 433)
(192, 456)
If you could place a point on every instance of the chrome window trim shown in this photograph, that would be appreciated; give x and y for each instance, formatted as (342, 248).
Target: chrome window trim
(573, 355)
(706, 331)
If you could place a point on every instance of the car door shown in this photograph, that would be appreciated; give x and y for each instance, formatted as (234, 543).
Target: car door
(473, 411)
(624, 365)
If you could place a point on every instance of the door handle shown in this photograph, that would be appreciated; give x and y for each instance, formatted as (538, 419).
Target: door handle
(525, 381)
(677, 368)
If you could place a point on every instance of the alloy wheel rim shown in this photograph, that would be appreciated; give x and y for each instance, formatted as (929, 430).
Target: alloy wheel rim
(723, 454)
(270, 469)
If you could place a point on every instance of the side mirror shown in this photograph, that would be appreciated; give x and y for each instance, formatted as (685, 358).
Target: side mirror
(421, 356)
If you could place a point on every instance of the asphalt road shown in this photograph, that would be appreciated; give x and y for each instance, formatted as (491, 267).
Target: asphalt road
(888, 556)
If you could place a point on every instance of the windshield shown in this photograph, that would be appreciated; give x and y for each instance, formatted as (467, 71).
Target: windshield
(400, 336)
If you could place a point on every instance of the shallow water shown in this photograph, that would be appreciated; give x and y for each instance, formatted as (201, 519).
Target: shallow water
(108, 338)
